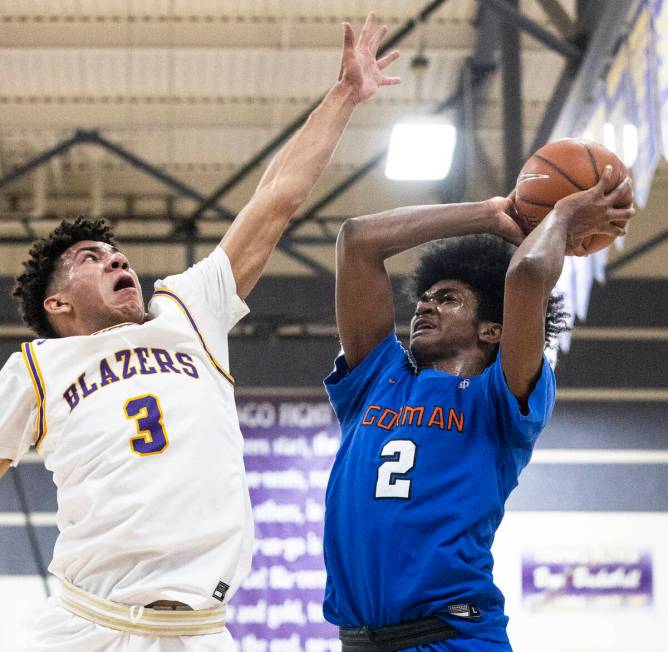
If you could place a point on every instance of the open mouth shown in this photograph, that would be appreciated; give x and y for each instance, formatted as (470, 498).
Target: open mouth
(422, 326)
(125, 282)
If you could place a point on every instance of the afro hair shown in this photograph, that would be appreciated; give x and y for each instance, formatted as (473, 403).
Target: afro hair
(481, 261)
(32, 284)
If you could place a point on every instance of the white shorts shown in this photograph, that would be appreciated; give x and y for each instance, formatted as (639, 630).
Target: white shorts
(58, 630)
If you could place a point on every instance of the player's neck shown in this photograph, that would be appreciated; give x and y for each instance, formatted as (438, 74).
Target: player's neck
(468, 362)
(79, 327)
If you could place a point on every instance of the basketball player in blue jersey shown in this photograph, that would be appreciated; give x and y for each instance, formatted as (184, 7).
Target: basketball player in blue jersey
(133, 409)
(433, 440)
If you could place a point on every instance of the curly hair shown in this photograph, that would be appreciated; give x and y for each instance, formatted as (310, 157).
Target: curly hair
(480, 261)
(31, 286)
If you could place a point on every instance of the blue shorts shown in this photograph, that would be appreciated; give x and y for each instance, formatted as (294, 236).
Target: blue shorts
(463, 645)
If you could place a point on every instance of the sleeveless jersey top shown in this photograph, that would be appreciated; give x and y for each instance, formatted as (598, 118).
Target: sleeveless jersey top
(138, 424)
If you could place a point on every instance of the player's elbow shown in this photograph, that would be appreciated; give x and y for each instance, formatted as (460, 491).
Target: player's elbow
(349, 241)
(352, 235)
(358, 239)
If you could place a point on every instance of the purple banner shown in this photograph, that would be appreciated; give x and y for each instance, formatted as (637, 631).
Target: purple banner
(587, 578)
(290, 444)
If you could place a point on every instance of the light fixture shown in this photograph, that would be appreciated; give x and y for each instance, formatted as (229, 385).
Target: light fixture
(609, 137)
(421, 149)
(629, 144)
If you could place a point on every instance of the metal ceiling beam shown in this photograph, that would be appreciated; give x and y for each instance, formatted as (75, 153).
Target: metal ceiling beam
(473, 104)
(638, 251)
(512, 16)
(134, 160)
(573, 90)
(611, 27)
(40, 159)
(300, 256)
(339, 189)
(93, 137)
(592, 31)
(559, 17)
(513, 123)
(276, 142)
(555, 105)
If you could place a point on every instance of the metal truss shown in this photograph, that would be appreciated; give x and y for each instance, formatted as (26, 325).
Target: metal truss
(475, 72)
(93, 137)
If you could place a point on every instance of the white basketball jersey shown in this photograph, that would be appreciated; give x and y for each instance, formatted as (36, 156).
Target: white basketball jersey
(139, 426)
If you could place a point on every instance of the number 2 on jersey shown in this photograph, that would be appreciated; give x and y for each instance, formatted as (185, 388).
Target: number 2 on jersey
(146, 412)
(400, 456)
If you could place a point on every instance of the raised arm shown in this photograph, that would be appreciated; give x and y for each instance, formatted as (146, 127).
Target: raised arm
(364, 302)
(536, 267)
(292, 173)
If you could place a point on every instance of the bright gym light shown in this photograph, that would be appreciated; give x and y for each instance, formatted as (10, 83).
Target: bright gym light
(627, 143)
(420, 150)
(609, 137)
(630, 144)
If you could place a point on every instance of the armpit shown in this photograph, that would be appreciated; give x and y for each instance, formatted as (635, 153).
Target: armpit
(4, 465)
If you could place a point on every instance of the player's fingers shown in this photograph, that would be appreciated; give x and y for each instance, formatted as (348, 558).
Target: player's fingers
(604, 180)
(388, 59)
(367, 29)
(348, 36)
(622, 193)
(620, 214)
(616, 228)
(348, 45)
(626, 198)
(515, 235)
(579, 250)
(377, 39)
(390, 81)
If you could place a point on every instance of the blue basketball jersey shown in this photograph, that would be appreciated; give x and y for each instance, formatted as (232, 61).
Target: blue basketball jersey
(417, 490)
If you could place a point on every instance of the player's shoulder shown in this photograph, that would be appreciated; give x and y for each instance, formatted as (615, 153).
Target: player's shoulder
(383, 367)
(31, 348)
(386, 354)
(389, 369)
(211, 269)
(16, 367)
(208, 289)
(14, 361)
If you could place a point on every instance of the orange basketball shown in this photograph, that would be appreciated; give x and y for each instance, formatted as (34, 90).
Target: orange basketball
(559, 169)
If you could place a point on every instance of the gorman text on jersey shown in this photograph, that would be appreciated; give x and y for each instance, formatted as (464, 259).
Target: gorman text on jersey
(125, 364)
(414, 415)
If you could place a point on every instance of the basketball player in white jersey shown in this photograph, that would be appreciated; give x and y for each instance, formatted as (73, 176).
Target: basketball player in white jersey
(134, 411)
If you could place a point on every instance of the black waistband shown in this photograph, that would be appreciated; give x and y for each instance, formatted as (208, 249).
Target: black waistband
(395, 637)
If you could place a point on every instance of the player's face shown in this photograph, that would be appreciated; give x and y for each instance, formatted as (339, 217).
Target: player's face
(97, 280)
(445, 321)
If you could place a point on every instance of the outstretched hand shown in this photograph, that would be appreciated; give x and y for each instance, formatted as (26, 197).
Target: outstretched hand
(505, 223)
(360, 69)
(595, 211)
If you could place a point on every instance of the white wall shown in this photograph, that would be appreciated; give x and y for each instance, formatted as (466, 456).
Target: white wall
(565, 621)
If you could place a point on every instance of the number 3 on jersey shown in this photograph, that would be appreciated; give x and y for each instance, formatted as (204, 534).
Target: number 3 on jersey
(400, 456)
(146, 412)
